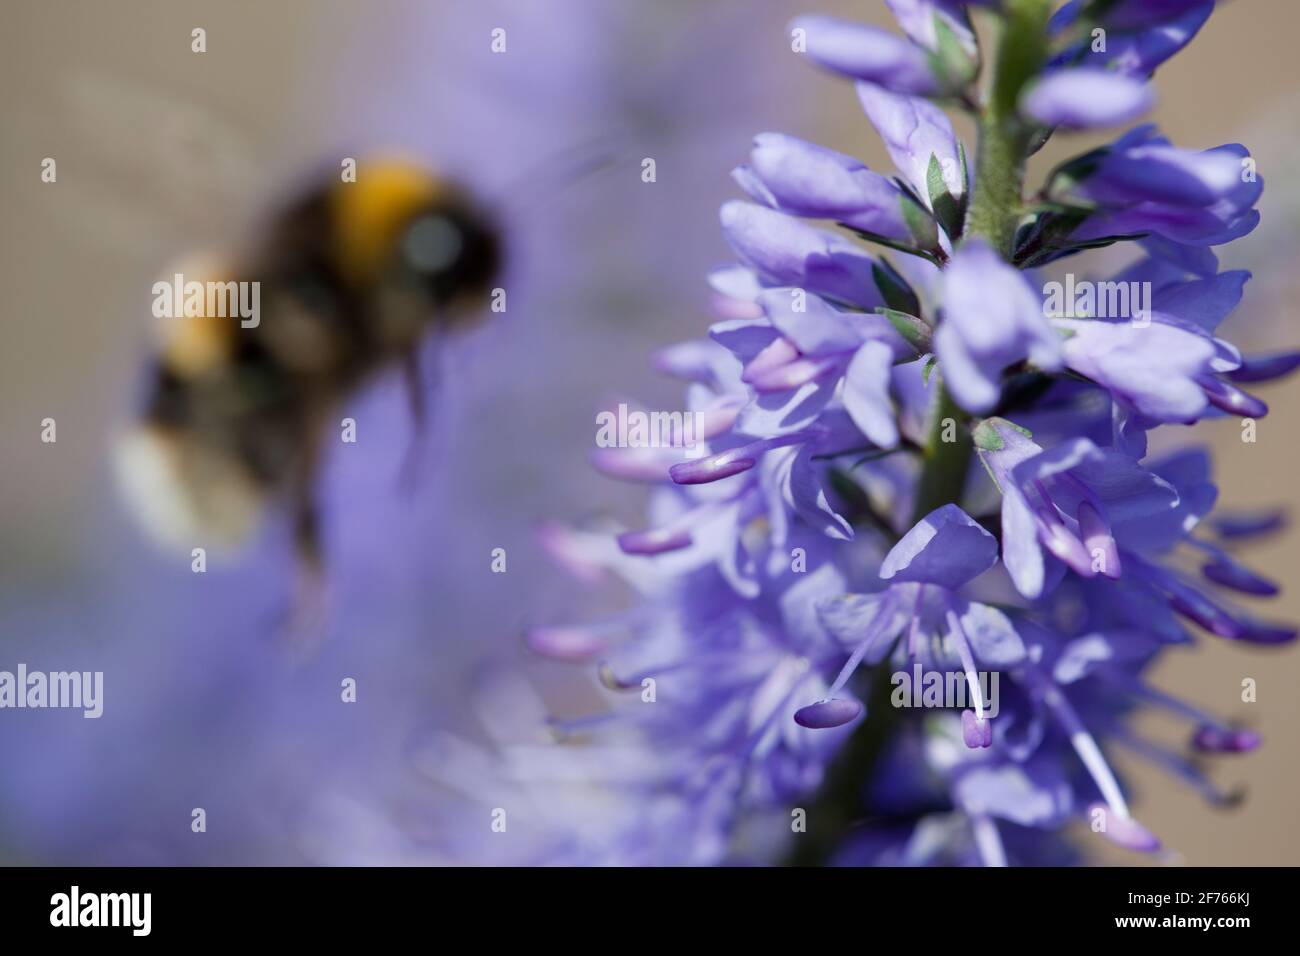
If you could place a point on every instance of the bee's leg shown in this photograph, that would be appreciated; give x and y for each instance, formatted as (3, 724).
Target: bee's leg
(416, 402)
(308, 614)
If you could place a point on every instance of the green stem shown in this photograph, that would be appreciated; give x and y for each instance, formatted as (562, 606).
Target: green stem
(946, 458)
(993, 214)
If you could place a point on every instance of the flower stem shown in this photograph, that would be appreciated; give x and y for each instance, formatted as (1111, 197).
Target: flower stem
(1003, 137)
(993, 215)
(946, 459)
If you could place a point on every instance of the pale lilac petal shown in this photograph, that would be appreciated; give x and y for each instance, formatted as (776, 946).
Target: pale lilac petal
(866, 393)
(868, 53)
(946, 547)
(1086, 98)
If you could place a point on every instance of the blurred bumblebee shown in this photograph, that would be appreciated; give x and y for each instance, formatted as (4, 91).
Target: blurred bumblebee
(352, 278)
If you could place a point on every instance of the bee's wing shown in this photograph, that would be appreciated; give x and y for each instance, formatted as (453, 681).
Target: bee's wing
(153, 169)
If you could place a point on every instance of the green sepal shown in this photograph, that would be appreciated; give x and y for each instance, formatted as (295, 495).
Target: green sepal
(894, 289)
(914, 331)
(948, 209)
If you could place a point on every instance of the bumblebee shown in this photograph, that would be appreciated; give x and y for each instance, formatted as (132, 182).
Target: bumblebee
(351, 277)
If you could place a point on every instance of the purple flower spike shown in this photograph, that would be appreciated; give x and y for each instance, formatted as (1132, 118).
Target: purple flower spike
(1086, 98)
(1225, 740)
(831, 381)
(827, 713)
(946, 547)
(1124, 830)
(977, 732)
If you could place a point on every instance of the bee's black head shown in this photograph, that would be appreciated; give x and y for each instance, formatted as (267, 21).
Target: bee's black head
(452, 250)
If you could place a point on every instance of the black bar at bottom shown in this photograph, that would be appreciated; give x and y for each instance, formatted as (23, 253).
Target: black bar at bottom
(596, 907)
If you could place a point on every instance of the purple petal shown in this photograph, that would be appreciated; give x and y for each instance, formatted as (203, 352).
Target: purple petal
(866, 393)
(992, 318)
(804, 179)
(868, 53)
(1203, 302)
(819, 329)
(917, 18)
(787, 252)
(946, 548)
(1152, 369)
(914, 129)
(1033, 795)
(809, 499)
(1137, 14)
(992, 638)
(1086, 98)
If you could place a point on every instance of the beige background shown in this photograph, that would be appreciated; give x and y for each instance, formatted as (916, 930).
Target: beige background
(72, 259)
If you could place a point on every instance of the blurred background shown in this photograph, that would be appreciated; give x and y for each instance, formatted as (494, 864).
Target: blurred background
(161, 150)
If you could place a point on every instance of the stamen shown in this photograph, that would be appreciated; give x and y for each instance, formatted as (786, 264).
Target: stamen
(1178, 767)
(791, 375)
(1192, 604)
(566, 643)
(635, 464)
(1212, 734)
(827, 713)
(987, 840)
(719, 416)
(977, 732)
(1225, 740)
(1263, 368)
(699, 471)
(914, 629)
(1124, 831)
(1231, 399)
(1228, 572)
(968, 665)
(1084, 745)
(778, 352)
(654, 541)
(877, 629)
(1057, 538)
